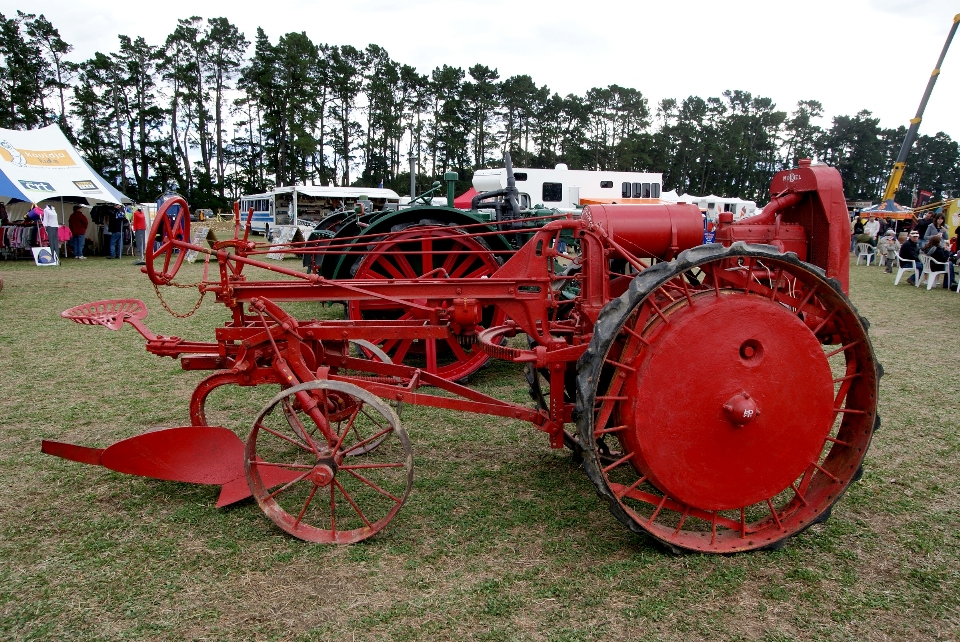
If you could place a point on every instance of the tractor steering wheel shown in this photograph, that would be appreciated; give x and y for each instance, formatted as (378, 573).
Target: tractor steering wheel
(165, 231)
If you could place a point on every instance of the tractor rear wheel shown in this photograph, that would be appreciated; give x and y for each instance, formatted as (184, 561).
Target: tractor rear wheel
(431, 252)
(742, 407)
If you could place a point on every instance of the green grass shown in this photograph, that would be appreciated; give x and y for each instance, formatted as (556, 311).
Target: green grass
(501, 539)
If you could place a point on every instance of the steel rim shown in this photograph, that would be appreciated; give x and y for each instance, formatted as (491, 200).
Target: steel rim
(638, 322)
(169, 257)
(409, 254)
(306, 475)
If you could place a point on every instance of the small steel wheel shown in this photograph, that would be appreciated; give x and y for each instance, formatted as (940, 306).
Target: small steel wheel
(322, 491)
(743, 406)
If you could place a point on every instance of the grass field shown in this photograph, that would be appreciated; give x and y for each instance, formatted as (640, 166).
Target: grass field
(502, 538)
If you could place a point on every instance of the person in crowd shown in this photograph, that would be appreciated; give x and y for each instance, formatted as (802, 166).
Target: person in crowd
(888, 247)
(139, 234)
(52, 224)
(872, 228)
(78, 228)
(923, 224)
(866, 238)
(869, 231)
(856, 229)
(115, 227)
(889, 224)
(910, 252)
(713, 215)
(935, 250)
(4, 217)
(906, 224)
(937, 227)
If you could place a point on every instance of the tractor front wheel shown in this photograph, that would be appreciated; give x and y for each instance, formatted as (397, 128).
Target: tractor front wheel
(329, 462)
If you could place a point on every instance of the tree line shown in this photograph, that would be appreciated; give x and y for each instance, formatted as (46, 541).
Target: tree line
(206, 111)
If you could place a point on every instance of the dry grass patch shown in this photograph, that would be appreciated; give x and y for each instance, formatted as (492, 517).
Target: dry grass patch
(502, 538)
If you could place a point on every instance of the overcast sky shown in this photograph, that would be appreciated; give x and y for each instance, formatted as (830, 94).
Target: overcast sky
(848, 54)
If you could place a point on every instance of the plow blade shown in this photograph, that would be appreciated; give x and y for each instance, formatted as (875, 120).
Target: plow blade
(238, 489)
(72, 452)
(190, 454)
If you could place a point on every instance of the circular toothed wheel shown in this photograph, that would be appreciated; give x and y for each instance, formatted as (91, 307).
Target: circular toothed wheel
(740, 407)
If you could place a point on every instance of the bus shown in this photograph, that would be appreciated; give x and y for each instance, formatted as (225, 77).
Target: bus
(296, 204)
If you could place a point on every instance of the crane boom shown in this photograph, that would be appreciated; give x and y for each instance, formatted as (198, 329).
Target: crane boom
(901, 163)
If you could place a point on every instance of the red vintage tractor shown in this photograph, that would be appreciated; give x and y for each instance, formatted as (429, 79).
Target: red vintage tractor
(721, 397)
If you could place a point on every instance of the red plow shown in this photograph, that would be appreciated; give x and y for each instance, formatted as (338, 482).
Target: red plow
(722, 397)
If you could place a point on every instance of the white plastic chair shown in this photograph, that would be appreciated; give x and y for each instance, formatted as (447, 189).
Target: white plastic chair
(867, 251)
(932, 269)
(924, 269)
(906, 265)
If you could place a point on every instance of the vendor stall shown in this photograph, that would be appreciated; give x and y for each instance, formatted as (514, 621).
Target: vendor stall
(40, 166)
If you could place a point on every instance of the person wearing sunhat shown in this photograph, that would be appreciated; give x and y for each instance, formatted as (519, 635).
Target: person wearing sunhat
(888, 248)
(910, 251)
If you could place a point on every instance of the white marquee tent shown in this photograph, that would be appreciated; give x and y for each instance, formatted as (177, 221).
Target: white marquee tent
(41, 166)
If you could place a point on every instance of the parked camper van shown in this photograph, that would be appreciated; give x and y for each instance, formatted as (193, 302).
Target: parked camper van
(309, 203)
(564, 188)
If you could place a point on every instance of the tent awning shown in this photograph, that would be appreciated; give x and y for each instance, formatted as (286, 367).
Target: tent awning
(463, 201)
(339, 192)
(40, 164)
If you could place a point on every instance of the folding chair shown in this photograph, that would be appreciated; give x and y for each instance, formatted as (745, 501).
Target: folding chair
(906, 265)
(932, 270)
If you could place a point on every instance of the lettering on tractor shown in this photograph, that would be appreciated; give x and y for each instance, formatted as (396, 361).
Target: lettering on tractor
(721, 397)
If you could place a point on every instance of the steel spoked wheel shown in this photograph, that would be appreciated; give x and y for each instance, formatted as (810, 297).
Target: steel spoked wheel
(437, 253)
(163, 262)
(742, 407)
(329, 477)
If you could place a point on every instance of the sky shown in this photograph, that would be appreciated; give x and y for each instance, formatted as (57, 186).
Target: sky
(848, 54)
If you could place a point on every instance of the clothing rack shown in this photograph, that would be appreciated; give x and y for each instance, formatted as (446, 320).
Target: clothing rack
(16, 240)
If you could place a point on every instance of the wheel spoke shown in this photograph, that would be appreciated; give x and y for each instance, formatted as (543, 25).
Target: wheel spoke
(371, 484)
(457, 348)
(306, 504)
(394, 271)
(285, 438)
(350, 424)
(333, 512)
(398, 464)
(431, 345)
(353, 503)
(408, 271)
(294, 421)
(260, 462)
(448, 262)
(288, 485)
(468, 261)
(366, 441)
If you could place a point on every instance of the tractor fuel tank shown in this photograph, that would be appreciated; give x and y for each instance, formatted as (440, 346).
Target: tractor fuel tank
(650, 231)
